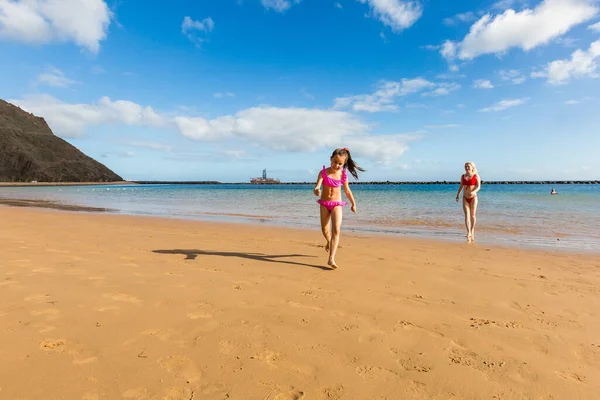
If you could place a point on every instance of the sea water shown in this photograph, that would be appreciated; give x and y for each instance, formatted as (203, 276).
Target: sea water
(513, 214)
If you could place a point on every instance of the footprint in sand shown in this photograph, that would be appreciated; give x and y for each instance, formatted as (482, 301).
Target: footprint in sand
(38, 298)
(300, 305)
(412, 364)
(214, 391)
(106, 308)
(179, 394)
(137, 394)
(374, 372)
(408, 326)
(167, 335)
(122, 297)
(572, 377)
(482, 322)
(349, 326)
(181, 367)
(226, 347)
(91, 396)
(54, 345)
(468, 358)
(79, 355)
(292, 394)
(334, 392)
(372, 336)
(200, 314)
(269, 357)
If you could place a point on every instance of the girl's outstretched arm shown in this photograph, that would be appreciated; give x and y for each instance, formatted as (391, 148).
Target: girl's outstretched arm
(459, 188)
(350, 196)
(317, 189)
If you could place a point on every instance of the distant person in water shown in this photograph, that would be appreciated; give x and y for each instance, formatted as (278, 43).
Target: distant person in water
(333, 178)
(471, 184)
(553, 191)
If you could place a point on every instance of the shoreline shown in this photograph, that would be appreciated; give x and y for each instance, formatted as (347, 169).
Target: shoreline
(501, 182)
(113, 306)
(416, 232)
(544, 182)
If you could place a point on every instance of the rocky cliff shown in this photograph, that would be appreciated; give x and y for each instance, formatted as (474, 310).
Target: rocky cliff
(29, 151)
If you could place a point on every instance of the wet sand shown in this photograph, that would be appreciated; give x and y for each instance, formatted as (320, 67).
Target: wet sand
(100, 306)
(51, 204)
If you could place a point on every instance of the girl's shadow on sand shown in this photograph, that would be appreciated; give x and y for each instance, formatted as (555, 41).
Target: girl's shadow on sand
(193, 254)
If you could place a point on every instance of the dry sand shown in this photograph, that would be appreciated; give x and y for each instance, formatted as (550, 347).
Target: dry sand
(112, 307)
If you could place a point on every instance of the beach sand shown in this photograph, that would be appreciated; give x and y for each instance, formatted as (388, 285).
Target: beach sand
(98, 306)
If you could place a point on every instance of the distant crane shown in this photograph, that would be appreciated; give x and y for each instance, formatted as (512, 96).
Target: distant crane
(264, 179)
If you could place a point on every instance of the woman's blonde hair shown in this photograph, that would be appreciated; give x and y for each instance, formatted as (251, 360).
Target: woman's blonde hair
(472, 166)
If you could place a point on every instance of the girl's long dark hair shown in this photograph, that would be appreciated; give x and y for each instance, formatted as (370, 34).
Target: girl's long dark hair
(350, 164)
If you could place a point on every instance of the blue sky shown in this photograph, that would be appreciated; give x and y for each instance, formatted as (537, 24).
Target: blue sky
(220, 89)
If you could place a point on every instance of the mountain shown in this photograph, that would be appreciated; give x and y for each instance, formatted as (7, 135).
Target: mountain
(29, 151)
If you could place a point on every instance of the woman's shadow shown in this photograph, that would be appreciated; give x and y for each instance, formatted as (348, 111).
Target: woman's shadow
(193, 254)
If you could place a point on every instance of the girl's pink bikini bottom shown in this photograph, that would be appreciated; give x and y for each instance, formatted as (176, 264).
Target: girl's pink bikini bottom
(331, 204)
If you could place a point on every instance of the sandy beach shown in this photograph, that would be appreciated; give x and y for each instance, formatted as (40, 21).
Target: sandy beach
(98, 306)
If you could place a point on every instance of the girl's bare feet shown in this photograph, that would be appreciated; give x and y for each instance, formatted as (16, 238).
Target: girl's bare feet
(332, 264)
(327, 247)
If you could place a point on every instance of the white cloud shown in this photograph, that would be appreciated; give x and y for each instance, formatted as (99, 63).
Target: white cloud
(504, 4)
(278, 5)
(567, 41)
(443, 89)
(462, 17)
(54, 77)
(525, 29)
(571, 102)
(338, 5)
(191, 28)
(431, 47)
(188, 24)
(296, 129)
(595, 27)
(513, 75)
(70, 120)
(383, 98)
(582, 64)
(274, 128)
(442, 126)
(504, 104)
(482, 84)
(43, 21)
(148, 145)
(396, 14)
(221, 95)
(381, 149)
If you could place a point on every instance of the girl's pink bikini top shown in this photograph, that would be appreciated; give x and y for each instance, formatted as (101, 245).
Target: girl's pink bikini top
(327, 181)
